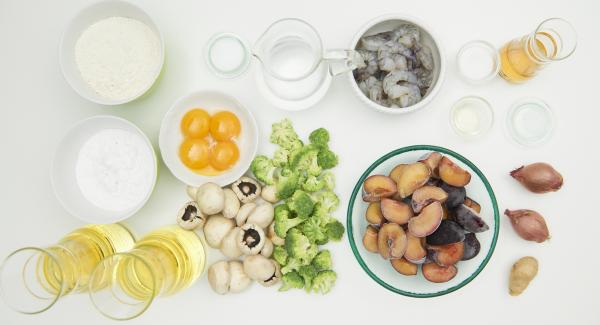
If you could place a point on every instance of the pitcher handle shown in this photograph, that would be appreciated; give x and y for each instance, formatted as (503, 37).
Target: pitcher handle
(341, 60)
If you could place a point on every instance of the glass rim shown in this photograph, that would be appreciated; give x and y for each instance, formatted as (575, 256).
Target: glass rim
(147, 302)
(494, 54)
(357, 189)
(482, 131)
(56, 296)
(538, 29)
(314, 65)
(244, 63)
(510, 125)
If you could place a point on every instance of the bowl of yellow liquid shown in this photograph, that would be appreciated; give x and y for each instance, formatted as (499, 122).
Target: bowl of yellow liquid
(208, 136)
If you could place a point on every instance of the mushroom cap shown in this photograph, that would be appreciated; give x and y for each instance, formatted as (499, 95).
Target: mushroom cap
(229, 245)
(258, 267)
(267, 249)
(238, 279)
(216, 228)
(190, 216)
(247, 189)
(263, 215)
(232, 204)
(219, 277)
(251, 239)
(244, 213)
(275, 277)
(210, 198)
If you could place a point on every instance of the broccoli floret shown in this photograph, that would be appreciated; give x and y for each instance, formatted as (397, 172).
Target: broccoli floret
(293, 264)
(313, 184)
(324, 281)
(335, 230)
(281, 157)
(319, 137)
(327, 200)
(322, 261)
(287, 182)
(312, 229)
(301, 203)
(280, 255)
(283, 134)
(285, 220)
(299, 246)
(306, 159)
(327, 180)
(308, 273)
(291, 280)
(263, 169)
(327, 159)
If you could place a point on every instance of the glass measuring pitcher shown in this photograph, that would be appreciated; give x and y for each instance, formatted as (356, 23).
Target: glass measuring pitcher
(295, 69)
(163, 262)
(554, 39)
(32, 279)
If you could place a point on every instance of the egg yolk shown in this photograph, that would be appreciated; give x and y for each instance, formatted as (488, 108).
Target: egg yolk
(224, 154)
(195, 123)
(194, 153)
(224, 126)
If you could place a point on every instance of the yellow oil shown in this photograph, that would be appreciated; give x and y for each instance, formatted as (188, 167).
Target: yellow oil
(520, 62)
(164, 261)
(77, 254)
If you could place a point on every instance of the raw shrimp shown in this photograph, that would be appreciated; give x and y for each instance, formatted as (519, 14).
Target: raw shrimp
(390, 61)
(397, 48)
(411, 97)
(369, 83)
(370, 61)
(375, 42)
(408, 35)
(425, 57)
(424, 77)
(392, 83)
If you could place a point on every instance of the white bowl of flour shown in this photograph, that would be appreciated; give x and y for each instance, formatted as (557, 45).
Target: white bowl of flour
(111, 52)
(104, 170)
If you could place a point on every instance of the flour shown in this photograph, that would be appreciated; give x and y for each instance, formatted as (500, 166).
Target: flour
(118, 57)
(115, 169)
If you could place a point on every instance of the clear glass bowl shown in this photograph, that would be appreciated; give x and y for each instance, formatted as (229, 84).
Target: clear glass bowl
(380, 270)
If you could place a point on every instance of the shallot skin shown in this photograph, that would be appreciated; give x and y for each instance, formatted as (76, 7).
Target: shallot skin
(528, 224)
(538, 177)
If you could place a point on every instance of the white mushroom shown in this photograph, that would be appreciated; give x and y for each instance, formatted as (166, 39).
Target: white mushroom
(190, 216)
(238, 279)
(244, 212)
(263, 215)
(216, 228)
(269, 194)
(232, 204)
(274, 278)
(229, 246)
(210, 198)
(251, 239)
(191, 192)
(273, 236)
(259, 268)
(219, 277)
(267, 249)
(246, 189)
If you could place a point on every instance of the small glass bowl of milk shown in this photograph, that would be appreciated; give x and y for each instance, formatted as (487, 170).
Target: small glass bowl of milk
(471, 117)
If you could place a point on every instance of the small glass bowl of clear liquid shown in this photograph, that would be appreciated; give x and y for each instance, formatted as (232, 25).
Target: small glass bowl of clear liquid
(471, 117)
(530, 122)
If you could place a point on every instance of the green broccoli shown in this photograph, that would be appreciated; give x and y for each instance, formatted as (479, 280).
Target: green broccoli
(281, 157)
(283, 134)
(327, 159)
(319, 137)
(292, 265)
(280, 255)
(263, 169)
(313, 184)
(327, 179)
(291, 280)
(299, 246)
(313, 230)
(306, 159)
(324, 281)
(335, 230)
(322, 261)
(301, 203)
(308, 273)
(287, 182)
(285, 220)
(327, 200)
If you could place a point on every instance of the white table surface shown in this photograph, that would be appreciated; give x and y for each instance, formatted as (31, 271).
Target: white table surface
(37, 106)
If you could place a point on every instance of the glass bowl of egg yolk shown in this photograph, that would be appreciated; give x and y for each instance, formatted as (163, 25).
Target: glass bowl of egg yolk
(212, 142)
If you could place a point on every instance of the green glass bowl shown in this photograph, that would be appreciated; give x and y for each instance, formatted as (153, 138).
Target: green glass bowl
(380, 270)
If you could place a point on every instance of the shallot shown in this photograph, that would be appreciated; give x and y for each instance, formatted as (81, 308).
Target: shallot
(529, 224)
(538, 177)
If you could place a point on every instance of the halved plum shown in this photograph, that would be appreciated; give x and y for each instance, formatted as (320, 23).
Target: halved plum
(447, 255)
(452, 174)
(397, 171)
(427, 221)
(404, 267)
(425, 195)
(373, 214)
(377, 186)
(449, 232)
(432, 161)
(470, 219)
(456, 195)
(472, 246)
(370, 239)
(439, 274)
(413, 176)
(472, 204)
(391, 241)
(396, 211)
(415, 252)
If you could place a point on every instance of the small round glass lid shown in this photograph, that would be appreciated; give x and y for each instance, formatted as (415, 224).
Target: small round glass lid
(530, 122)
(478, 62)
(471, 117)
(227, 55)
